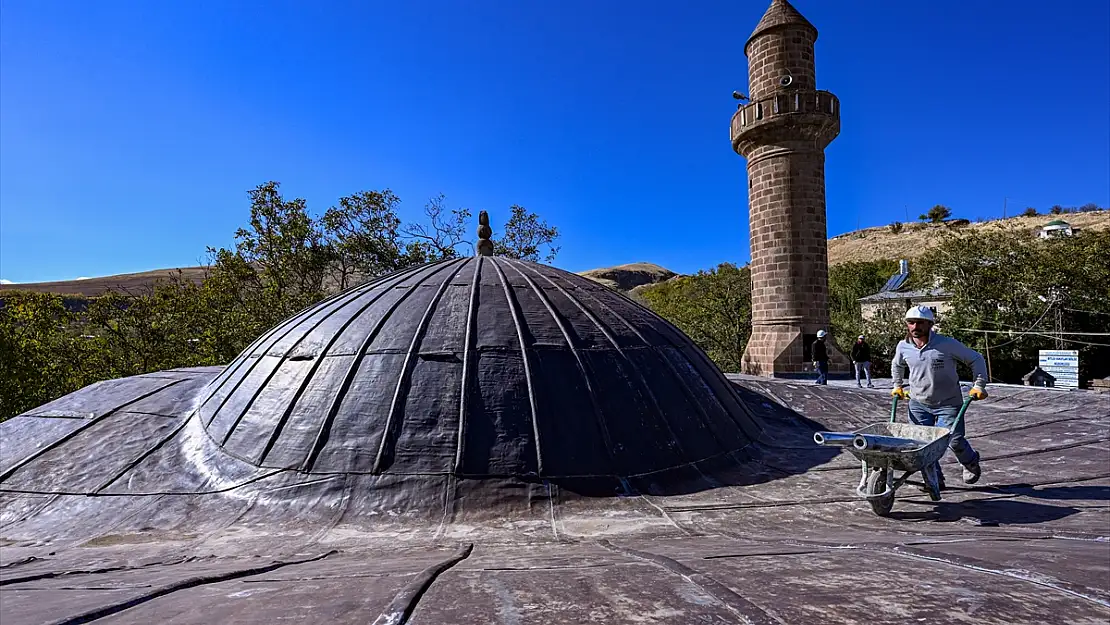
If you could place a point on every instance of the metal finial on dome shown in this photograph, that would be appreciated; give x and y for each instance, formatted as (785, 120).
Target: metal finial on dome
(485, 245)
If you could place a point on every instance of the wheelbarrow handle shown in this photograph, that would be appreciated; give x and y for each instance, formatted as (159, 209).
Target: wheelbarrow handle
(959, 415)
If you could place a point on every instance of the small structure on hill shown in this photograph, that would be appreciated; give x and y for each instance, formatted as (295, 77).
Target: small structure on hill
(1057, 228)
(896, 295)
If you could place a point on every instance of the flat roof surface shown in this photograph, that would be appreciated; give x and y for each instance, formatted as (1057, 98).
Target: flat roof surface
(785, 541)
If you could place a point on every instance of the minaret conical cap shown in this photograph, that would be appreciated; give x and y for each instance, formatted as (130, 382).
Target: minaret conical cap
(780, 13)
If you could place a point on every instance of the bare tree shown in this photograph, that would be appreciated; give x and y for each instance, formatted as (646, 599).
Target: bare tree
(441, 237)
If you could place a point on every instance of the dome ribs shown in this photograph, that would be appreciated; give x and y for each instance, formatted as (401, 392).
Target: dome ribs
(278, 365)
(301, 317)
(674, 442)
(514, 310)
(220, 380)
(687, 392)
(708, 372)
(651, 352)
(398, 277)
(468, 356)
(322, 434)
(599, 418)
(289, 324)
(386, 447)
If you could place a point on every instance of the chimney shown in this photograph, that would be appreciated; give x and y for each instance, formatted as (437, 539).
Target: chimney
(903, 266)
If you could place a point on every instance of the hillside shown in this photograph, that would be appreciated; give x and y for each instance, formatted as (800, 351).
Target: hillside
(862, 245)
(880, 243)
(628, 277)
(93, 287)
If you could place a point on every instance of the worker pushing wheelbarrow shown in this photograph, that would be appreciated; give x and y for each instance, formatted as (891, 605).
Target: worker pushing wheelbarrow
(936, 411)
(887, 448)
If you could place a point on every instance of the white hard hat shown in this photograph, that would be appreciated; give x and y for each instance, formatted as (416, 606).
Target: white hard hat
(821, 334)
(860, 337)
(920, 312)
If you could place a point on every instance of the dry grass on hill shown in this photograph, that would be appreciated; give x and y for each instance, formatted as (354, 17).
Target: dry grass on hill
(93, 287)
(630, 276)
(880, 243)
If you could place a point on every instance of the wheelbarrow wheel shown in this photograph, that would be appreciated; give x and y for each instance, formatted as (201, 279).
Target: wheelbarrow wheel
(876, 483)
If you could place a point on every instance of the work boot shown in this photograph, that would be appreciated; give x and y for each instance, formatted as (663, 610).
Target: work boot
(972, 472)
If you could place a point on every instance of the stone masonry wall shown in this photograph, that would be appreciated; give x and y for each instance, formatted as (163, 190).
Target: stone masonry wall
(786, 197)
(789, 249)
(787, 50)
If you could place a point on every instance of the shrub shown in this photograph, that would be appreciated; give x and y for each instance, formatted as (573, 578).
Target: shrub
(937, 214)
(895, 227)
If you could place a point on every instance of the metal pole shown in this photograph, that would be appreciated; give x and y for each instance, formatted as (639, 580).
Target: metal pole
(1059, 319)
(987, 342)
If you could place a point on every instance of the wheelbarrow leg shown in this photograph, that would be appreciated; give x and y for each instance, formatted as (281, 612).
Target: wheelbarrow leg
(931, 475)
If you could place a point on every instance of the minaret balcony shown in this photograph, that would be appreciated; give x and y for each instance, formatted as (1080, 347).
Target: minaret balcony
(811, 115)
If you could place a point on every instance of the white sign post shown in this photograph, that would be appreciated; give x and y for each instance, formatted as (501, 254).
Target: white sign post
(1062, 364)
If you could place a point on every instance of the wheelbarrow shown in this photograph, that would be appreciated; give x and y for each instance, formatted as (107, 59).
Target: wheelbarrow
(884, 448)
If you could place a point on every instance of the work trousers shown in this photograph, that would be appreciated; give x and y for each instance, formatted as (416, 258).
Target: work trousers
(865, 367)
(942, 417)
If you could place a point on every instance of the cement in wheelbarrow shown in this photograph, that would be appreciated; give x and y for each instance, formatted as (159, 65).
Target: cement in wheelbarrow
(934, 441)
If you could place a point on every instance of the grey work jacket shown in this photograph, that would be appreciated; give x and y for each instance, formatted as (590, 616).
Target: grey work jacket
(933, 379)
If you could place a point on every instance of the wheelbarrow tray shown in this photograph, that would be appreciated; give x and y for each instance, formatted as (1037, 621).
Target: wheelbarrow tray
(934, 441)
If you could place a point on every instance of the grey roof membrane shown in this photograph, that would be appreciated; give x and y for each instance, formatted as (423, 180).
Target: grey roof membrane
(491, 441)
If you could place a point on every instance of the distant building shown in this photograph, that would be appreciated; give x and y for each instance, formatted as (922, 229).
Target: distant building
(1057, 228)
(896, 297)
(1039, 377)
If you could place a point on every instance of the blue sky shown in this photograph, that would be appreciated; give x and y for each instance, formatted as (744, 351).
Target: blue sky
(131, 131)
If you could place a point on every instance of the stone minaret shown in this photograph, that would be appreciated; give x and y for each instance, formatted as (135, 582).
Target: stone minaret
(782, 130)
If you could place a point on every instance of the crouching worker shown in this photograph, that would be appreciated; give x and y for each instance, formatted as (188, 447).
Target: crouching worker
(934, 385)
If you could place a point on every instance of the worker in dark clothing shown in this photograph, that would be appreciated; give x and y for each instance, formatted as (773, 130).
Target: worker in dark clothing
(861, 360)
(821, 358)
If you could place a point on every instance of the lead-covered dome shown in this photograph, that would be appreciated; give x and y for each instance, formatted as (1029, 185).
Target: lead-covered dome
(477, 367)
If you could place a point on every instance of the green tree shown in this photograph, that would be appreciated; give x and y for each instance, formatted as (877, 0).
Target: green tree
(1029, 212)
(713, 308)
(937, 214)
(283, 261)
(848, 282)
(45, 354)
(280, 260)
(1027, 289)
(363, 234)
(526, 236)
